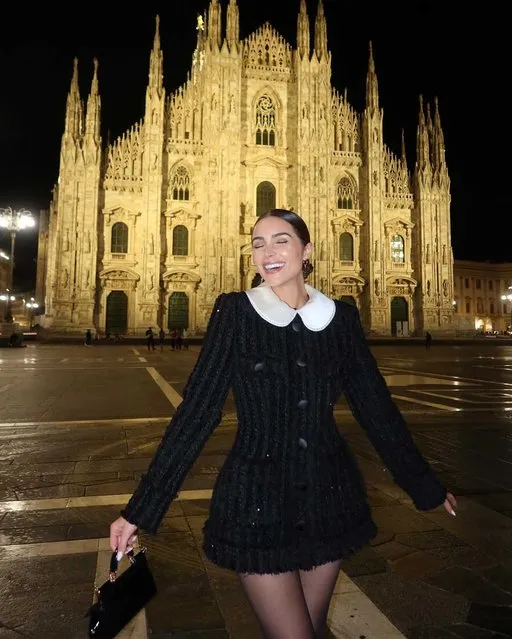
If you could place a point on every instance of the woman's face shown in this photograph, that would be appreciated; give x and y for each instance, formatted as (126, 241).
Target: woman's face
(277, 251)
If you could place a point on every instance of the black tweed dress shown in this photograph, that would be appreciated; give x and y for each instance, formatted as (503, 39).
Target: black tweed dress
(290, 494)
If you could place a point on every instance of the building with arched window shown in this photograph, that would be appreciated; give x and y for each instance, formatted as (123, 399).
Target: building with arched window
(164, 213)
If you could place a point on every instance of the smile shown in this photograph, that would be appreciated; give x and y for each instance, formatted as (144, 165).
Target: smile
(273, 267)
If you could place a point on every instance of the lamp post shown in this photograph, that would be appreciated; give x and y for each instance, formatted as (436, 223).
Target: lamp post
(13, 222)
(508, 298)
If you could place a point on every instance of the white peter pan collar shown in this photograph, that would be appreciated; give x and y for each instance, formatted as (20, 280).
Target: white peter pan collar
(316, 314)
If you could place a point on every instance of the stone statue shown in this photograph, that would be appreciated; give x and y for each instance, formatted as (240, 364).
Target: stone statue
(152, 245)
(200, 23)
(377, 288)
(323, 250)
(65, 278)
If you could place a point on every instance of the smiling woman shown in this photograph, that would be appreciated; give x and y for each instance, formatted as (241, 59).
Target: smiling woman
(289, 502)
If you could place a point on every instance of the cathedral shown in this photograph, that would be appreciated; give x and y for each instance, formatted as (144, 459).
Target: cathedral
(149, 229)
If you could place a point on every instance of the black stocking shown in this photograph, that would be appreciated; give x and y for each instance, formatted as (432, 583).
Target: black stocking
(318, 585)
(278, 603)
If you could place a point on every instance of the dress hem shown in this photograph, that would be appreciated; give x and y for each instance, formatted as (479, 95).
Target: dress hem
(305, 556)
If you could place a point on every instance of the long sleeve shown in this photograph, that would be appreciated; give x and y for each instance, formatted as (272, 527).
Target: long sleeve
(373, 407)
(194, 421)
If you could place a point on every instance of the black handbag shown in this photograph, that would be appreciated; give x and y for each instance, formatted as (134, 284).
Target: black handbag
(119, 599)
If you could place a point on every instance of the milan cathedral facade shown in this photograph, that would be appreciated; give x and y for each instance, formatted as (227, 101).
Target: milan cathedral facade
(148, 230)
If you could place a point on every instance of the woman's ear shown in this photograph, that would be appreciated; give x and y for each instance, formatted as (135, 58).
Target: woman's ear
(308, 251)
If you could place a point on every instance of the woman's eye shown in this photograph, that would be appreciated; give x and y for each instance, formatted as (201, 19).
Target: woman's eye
(282, 241)
(257, 246)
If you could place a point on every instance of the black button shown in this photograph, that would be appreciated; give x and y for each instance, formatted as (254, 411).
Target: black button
(296, 326)
(259, 367)
(302, 443)
(301, 485)
(300, 525)
(303, 403)
(301, 362)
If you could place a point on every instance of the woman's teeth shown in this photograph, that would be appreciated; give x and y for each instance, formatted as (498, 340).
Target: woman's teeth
(277, 266)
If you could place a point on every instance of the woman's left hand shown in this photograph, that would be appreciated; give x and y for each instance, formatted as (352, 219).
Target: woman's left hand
(450, 504)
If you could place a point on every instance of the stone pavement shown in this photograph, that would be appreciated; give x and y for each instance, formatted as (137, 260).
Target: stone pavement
(78, 426)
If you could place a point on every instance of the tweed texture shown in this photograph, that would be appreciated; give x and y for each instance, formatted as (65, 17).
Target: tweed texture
(290, 494)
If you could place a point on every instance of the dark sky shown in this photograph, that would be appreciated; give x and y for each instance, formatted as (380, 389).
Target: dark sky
(434, 48)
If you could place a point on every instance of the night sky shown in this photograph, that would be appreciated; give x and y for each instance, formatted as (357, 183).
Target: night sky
(435, 48)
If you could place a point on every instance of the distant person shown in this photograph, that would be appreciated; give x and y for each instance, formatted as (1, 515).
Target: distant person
(174, 334)
(184, 337)
(428, 340)
(161, 338)
(150, 339)
(88, 337)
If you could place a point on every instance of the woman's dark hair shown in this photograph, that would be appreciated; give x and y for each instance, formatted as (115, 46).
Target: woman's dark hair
(300, 228)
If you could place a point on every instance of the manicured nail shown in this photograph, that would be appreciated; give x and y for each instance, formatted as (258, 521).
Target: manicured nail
(452, 512)
(119, 556)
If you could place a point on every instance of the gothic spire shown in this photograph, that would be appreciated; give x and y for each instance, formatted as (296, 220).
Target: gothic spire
(438, 150)
(233, 25)
(74, 108)
(372, 85)
(303, 32)
(92, 120)
(422, 142)
(156, 78)
(215, 24)
(403, 154)
(321, 32)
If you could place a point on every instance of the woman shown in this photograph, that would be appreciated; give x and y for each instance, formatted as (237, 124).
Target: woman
(289, 502)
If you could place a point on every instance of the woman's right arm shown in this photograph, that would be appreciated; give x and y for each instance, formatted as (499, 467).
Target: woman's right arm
(194, 421)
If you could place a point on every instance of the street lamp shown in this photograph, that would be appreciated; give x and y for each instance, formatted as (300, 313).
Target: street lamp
(13, 222)
(508, 298)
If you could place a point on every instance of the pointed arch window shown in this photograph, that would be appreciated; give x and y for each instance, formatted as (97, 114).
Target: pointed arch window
(265, 198)
(119, 239)
(265, 121)
(180, 240)
(181, 184)
(346, 247)
(346, 194)
(397, 249)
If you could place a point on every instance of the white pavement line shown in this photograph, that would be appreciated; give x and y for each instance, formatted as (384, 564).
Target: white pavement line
(137, 627)
(135, 351)
(143, 359)
(453, 377)
(174, 397)
(118, 421)
(60, 503)
(452, 409)
(51, 548)
(500, 401)
(353, 615)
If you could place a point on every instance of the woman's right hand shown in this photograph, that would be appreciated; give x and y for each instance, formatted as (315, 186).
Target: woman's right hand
(123, 535)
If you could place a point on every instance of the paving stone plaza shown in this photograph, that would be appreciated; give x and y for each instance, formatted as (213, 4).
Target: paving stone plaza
(79, 425)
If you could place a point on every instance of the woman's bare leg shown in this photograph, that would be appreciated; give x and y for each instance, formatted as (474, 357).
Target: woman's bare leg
(318, 585)
(279, 604)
